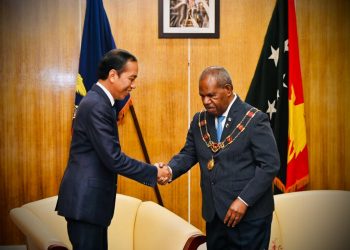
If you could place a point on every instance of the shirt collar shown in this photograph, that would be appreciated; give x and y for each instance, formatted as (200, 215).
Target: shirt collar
(110, 97)
(229, 106)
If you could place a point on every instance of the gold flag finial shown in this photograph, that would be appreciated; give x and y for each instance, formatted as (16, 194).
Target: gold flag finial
(80, 88)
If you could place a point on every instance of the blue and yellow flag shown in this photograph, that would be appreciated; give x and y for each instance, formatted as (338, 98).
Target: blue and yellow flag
(97, 40)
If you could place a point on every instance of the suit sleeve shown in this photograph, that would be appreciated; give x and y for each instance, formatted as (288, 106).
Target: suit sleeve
(266, 158)
(103, 136)
(187, 157)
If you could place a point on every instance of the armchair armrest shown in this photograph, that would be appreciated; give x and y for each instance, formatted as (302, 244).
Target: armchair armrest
(195, 241)
(158, 228)
(38, 235)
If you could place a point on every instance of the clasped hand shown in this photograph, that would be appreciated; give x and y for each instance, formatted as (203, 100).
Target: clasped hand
(164, 173)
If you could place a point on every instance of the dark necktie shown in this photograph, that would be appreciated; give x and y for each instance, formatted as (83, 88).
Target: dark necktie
(114, 112)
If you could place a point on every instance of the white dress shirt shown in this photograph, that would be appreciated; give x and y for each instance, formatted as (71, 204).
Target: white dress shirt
(225, 114)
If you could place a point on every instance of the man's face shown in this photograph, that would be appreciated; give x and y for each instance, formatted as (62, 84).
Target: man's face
(125, 82)
(215, 99)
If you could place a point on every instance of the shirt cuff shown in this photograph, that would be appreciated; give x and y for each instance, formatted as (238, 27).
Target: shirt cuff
(171, 174)
(243, 201)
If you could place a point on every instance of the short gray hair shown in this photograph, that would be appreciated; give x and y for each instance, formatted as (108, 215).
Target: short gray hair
(219, 73)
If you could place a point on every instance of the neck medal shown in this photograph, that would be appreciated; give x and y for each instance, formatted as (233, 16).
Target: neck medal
(211, 163)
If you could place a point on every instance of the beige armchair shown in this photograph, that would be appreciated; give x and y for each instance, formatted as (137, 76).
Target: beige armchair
(312, 220)
(136, 225)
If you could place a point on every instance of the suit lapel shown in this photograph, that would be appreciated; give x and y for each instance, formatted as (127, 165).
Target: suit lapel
(233, 118)
(105, 98)
(211, 126)
(101, 93)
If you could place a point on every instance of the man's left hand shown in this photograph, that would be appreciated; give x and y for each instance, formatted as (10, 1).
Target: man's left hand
(235, 213)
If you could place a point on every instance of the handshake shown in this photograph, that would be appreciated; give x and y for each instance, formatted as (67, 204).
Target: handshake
(164, 173)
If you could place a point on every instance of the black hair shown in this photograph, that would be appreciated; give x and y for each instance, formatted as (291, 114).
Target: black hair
(114, 59)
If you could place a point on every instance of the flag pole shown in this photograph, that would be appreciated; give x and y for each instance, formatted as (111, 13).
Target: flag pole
(144, 149)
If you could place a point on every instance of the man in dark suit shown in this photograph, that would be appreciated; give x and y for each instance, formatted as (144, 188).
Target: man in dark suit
(237, 167)
(88, 189)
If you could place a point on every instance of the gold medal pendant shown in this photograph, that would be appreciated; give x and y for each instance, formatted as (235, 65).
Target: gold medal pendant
(210, 164)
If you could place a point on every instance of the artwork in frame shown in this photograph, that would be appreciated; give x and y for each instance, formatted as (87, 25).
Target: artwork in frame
(188, 18)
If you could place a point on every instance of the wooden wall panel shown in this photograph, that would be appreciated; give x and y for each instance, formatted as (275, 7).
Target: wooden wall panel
(39, 56)
(323, 28)
(160, 97)
(39, 53)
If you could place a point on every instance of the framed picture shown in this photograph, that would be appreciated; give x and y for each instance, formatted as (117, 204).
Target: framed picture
(188, 18)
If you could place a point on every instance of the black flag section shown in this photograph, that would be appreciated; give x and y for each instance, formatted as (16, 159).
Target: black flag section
(269, 88)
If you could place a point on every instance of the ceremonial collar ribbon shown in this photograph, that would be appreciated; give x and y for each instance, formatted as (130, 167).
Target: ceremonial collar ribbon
(239, 128)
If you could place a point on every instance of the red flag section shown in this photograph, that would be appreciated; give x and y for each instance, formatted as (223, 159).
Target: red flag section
(297, 160)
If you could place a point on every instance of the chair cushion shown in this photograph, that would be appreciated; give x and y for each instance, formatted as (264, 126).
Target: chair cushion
(317, 219)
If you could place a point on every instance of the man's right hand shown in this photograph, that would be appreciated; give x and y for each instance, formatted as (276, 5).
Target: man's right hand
(164, 173)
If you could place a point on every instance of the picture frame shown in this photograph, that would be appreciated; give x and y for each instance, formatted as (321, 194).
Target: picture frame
(188, 18)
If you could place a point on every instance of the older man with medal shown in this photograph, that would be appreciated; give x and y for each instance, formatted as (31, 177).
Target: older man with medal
(238, 157)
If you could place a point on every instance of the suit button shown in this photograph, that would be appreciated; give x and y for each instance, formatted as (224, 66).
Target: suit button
(213, 183)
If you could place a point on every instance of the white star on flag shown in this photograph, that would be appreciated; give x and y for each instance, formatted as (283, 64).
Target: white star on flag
(286, 46)
(284, 84)
(274, 55)
(271, 109)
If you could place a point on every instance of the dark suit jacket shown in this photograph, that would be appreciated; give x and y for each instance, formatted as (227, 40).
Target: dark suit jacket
(246, 168)
(88, 187)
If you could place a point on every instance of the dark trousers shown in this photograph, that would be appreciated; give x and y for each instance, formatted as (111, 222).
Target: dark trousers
(86, 236)
(247, 235)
